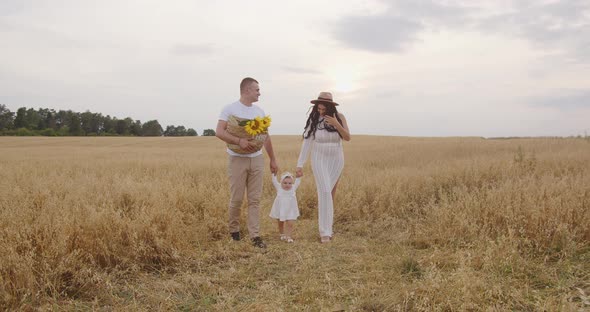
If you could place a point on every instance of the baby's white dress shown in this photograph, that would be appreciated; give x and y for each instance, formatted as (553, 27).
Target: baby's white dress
(285, 204)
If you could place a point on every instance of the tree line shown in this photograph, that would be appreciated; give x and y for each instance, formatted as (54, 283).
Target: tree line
(49, 122)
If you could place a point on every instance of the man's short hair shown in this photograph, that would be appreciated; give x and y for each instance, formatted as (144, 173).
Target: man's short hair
(246, 83)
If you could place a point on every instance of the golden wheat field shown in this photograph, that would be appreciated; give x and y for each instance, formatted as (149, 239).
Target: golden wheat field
(421, 224)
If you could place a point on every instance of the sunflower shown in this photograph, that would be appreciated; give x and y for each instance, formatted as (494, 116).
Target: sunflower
(266, 122)
(253, 127)
(259, 120)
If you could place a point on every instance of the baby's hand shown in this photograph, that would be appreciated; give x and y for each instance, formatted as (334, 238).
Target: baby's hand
(298, 172)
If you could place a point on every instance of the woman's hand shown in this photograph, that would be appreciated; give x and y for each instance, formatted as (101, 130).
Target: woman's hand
(332, 121)
(298, 172)
(342, 128)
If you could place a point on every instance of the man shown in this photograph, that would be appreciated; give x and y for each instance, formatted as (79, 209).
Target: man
(245, 170)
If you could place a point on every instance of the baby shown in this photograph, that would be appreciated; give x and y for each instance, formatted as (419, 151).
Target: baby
(285, 208)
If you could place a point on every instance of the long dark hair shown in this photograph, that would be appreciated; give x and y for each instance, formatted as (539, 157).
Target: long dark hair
(311, 125)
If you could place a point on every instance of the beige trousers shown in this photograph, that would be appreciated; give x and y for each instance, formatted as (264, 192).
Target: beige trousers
(245, 175)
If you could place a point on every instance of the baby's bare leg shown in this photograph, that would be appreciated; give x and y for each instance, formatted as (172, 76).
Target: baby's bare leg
(281, 227)
(289, 227)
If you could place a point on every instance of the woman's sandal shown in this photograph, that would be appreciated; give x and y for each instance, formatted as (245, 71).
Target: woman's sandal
(283, 237)
(325, 239)
(289, 240)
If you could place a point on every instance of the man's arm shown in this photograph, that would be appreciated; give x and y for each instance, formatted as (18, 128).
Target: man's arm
(274, 168)
(222, 134)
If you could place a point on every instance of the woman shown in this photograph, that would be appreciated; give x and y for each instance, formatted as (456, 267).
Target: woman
(324, 131)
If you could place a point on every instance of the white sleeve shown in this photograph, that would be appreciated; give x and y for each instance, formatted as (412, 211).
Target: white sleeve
(225, 113)
(306, 147)
(275, 182)
(297, 182)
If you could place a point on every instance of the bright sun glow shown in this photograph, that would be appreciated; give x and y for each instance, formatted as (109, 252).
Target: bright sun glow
(344, 80)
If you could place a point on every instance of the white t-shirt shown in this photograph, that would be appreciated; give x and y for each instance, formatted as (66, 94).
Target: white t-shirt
(242, 111)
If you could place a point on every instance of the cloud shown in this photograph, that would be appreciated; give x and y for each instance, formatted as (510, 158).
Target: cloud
(4, 26)
(384, 33)
(300, 70)
(435, 13)
(8, 8)
(399, 26)
(192, 49)
(564, 100)
(559, 25)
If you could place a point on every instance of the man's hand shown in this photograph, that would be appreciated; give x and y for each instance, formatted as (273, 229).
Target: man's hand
(298, 172)
(246, 145)
(274, 168)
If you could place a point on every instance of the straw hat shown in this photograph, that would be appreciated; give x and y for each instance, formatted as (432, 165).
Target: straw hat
(324, 98)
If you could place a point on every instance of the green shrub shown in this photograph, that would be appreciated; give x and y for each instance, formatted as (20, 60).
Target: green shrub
(24, 132)
(48, 132)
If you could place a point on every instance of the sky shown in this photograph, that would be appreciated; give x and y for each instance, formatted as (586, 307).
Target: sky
(492, 68)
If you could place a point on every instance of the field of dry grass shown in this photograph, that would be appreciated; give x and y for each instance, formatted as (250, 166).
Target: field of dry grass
(421, 224)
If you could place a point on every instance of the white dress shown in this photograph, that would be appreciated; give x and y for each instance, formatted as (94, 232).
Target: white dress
(327, 162)
(285, 205)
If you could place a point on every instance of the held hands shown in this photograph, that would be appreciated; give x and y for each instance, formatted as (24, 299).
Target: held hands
(274, 168)
(298, 172)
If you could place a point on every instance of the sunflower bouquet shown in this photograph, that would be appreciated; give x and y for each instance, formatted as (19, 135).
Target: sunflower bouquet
(255, 129)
